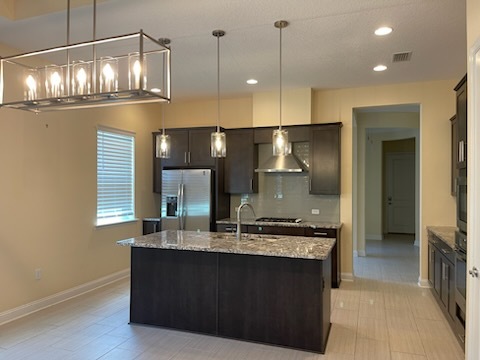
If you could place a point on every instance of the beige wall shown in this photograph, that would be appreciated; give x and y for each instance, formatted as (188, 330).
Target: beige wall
(48, 182)
(437, 104)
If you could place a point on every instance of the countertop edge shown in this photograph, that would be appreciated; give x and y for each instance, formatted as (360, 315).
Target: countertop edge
(444, 233)
(157, 241)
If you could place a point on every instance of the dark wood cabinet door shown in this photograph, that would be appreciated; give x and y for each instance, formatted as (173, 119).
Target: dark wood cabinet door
(275, 300)
(461, 90)
(431, 264)
(241, 162)
(175, 289)
(454, 155)
(179, 149)
(324, 170)
(437, 285)
(199, 148)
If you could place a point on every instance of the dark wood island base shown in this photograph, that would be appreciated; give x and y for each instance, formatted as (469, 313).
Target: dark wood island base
(275, 300)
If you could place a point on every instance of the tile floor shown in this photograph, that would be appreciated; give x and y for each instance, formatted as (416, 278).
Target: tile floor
(382, 315)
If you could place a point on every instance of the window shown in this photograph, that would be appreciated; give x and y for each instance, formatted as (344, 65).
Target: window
(115, 176)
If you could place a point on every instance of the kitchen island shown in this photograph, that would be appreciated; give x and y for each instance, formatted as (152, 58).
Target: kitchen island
(273, 289)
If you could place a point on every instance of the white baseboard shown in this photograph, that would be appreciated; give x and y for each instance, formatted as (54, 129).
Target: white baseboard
(378, 237)
(346, 276)
(54, 299)
(424, 283)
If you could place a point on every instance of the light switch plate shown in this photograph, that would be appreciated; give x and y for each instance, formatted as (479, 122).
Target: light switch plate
(315, 211)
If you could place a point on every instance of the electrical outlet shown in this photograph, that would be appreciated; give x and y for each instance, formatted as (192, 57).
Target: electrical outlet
(315, 211)
(38, 274)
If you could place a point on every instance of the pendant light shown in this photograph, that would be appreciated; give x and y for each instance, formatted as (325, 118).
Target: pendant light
(280, 137)
(218, 145)
(80, 78)
(163, 141)
(163, 145)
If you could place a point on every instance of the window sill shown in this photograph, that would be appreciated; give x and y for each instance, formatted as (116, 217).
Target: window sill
(119, 222)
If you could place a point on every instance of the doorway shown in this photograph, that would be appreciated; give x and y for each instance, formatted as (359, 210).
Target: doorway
(396, 127)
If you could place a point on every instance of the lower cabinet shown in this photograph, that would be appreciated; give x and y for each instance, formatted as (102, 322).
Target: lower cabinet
(336, 255)
(441, 274)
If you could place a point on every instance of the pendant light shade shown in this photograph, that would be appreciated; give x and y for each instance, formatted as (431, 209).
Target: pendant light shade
(163, 146)
(280, 137)
(218, 141)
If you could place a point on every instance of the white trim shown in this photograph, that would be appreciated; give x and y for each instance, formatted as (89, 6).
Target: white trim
(424, 283)
(472, 329)
(361, 253)
(54, 299)
(417, 242)
(346, 276)
(355, 253)
(376, 237)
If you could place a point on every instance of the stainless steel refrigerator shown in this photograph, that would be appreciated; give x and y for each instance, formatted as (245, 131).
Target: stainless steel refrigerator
(187, 199)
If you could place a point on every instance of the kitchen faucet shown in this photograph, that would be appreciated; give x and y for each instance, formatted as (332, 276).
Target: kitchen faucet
(239, 218)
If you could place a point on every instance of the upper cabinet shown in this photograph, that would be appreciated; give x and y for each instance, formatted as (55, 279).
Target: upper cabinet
(324, 172)
(189, 148)
(461, 90)
(241, 162)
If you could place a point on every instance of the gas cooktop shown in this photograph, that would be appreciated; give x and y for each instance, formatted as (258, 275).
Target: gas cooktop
(275, 219)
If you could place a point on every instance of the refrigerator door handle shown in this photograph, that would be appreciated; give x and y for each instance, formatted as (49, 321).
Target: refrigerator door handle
(180, 206)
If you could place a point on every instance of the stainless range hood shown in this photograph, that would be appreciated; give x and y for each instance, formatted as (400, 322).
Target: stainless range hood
(282, 164)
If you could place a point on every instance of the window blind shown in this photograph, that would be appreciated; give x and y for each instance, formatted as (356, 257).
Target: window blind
(115, 176)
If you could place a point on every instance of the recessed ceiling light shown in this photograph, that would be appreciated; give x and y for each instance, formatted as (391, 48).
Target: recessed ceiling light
(380, 68)
(384, 30)
(252, 82)
(155, 90)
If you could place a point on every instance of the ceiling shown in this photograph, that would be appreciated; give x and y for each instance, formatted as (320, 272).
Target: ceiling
(328, 44)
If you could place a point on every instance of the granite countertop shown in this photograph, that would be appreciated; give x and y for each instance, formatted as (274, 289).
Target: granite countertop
(303, 224)
(251, 244)
(444, 233)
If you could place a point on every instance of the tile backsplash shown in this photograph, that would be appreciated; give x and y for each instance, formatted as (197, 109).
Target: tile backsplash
(287, 195)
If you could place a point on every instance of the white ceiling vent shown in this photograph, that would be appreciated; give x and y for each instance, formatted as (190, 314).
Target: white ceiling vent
(403, 56)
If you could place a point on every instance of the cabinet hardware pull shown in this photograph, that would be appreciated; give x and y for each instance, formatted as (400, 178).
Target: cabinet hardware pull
(445, 251)
(154, 227)
(189, 157)
(251, 184)
(185, 157)
(443, 271)
(320, 233)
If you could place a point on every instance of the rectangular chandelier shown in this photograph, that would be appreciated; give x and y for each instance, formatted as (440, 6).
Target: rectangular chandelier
(126, 69)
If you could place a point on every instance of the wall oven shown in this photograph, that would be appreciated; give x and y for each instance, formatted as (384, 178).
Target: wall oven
(462, 204)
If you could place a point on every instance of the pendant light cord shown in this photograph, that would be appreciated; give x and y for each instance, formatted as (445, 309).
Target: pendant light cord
(218, 83)
(163, 119)
(280, 70)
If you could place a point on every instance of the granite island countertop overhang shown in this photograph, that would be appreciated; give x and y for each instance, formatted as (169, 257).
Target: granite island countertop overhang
(251, 244)
(302, 224)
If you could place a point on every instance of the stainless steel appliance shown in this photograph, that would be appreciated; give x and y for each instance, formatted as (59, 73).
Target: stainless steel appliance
(462, 204)
(187, 199)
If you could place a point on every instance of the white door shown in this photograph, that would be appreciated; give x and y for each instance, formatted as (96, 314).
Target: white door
(400, 193)
(472, 346)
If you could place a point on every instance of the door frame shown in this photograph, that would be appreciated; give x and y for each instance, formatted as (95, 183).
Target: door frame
(472, 346)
